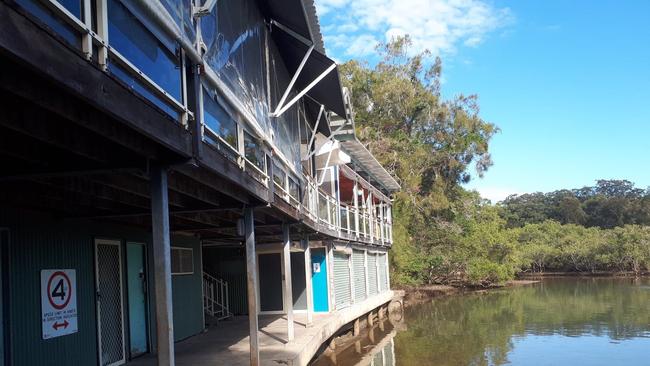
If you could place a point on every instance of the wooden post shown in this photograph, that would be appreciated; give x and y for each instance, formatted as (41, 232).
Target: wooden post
(356, 329)
(251, 282)
(162, 265)
(308, 284)
(371, 319)
(288, 291)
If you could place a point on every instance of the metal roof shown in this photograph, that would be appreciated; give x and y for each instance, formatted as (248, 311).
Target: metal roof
(364, 158)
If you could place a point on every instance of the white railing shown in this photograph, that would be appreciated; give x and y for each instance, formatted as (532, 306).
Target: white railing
(319, 206)
(215, 297)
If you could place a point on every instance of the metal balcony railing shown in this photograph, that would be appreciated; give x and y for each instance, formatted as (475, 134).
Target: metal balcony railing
(87, 28)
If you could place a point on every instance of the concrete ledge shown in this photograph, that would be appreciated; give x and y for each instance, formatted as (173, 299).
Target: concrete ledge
(311, 343)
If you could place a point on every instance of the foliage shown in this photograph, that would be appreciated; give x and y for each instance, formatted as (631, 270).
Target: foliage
(445, 234)
(608, 204)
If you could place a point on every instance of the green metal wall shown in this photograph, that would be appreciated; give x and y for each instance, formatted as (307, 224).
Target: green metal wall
(187, 294)
(42, 242)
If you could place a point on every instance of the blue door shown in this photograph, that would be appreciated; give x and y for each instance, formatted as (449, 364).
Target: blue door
(136, 283)
(319, 280)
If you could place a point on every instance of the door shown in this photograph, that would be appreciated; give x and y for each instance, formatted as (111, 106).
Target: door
(270, 275)
(342, 284)
(108, 267)
(137, 297)
(319, 280)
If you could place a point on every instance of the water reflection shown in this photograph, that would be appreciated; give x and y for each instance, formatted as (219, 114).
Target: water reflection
(599, 321)
(556, 322)
(374, 347)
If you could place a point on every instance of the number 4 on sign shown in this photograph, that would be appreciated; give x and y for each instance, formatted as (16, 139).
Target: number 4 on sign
(59, 290)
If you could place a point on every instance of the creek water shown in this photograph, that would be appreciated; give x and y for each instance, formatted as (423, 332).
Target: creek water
(559, 321)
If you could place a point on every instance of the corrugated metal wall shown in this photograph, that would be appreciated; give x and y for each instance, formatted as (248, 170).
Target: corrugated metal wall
(33, 249)
(39, 242)
(383, 274)
(372, 274)
(342, 290)
(359, 270)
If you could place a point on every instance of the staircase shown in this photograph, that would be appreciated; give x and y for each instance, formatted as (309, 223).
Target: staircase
(215, 297)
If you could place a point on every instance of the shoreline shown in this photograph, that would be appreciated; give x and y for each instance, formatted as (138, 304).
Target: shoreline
(418, 294)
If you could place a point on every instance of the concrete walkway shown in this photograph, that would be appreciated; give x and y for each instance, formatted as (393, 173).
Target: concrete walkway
(227, 343)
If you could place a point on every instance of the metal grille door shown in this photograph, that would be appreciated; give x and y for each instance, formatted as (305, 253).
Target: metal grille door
(372, 274)
(359, 269)
(109, 304)
(342, 292)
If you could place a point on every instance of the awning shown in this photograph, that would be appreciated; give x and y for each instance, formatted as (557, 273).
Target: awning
(328, 90)
(362, 157)
(298, 15)
(332, 150)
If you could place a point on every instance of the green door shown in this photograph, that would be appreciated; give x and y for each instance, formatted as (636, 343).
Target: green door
(137, 288)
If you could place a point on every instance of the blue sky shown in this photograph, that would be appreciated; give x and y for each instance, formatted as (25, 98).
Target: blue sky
(568, 82)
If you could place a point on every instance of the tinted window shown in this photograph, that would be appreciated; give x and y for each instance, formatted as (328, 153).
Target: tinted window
(136, 43)
(219, 120)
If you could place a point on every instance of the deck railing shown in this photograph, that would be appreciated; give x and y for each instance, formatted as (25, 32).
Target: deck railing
(87, 28)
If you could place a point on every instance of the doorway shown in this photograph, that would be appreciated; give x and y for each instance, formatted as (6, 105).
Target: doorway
(136, 285)
(110, 315)
(270, 287)
(319, 279)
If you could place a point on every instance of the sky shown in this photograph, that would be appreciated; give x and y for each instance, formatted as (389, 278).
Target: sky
(566, 81)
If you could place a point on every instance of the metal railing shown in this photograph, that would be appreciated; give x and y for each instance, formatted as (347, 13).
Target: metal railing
(216, 302)
(91, 28)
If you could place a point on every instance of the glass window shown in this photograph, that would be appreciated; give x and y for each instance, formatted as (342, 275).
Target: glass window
(182, 261)
(219, 120)
(253, 151)
(53, 21)
(142, 89)
(234, 36)
(294, 188)
(138, 45)
(279, 176)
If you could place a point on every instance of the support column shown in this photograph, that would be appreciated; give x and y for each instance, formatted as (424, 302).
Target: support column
(355, 193)
(308, 284)
(288, 290)
(162, 265)
(251, 282)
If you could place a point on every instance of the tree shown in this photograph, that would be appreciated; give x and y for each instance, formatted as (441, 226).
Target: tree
(429, 144)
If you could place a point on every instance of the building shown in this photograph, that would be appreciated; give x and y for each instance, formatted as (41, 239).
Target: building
(169, 163)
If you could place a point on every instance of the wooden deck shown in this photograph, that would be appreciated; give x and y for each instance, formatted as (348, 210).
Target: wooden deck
(227, 343)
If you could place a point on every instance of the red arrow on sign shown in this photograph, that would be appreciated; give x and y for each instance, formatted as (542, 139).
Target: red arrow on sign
(63, 325)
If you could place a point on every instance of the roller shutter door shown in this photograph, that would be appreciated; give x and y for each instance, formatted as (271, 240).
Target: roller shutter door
(383, 274)
(342, 292)
(372, 273)
(359, 269)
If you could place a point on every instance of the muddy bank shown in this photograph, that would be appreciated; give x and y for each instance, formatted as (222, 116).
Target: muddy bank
(419, 294)
(529, 275)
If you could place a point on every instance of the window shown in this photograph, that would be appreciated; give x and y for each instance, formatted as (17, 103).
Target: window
(219, 120)
(279, 176)
(137, 44)
(294, 188)
(252, 151)
(182, 261)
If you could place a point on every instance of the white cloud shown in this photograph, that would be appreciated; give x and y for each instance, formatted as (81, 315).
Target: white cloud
(439, 26)
(496, 194)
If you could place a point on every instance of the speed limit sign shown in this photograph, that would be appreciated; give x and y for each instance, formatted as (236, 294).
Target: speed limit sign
(58, 302)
